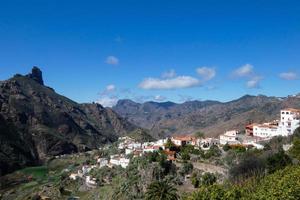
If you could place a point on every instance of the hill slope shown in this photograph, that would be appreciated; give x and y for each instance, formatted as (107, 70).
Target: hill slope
(36, 122)
(211, 117)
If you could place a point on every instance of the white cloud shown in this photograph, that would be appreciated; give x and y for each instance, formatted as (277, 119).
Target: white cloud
(171, 83)
(206, 73)
(107, 101)
(159, 98)
(254, 82)
(112, 60)
(169, 74)
(243, 71)
(110, 88)
(288, 75)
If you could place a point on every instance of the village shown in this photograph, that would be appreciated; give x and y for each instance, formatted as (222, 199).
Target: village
(254, 136)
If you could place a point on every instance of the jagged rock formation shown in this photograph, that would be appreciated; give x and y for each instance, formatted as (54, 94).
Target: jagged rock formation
(37, 75)
(211, 117)
(36, 122)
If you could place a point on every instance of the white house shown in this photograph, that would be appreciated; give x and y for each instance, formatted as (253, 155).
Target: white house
(289, 122)
(182, 140)
(128, 151)
(117, 160)
(229, 137)
(150, 149)
(102, 162)
(124, 162)
(265, 130)
(90, 182)
(206, 143)
(135, 146)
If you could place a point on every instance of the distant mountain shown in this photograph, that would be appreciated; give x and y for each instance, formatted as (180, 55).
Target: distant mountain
(36, 122)
(211, 117)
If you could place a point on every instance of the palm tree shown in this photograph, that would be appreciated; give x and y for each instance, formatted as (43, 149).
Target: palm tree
(161, 190)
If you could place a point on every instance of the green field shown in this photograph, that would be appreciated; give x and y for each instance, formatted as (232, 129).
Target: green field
(39, 172)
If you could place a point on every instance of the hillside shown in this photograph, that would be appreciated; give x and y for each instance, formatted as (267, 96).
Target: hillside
(36, 122)
(211, 117)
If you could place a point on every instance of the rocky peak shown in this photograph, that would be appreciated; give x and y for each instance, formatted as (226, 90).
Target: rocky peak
(37, 75)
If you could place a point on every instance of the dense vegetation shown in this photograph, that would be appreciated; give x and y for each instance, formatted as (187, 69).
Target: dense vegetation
(257, 174)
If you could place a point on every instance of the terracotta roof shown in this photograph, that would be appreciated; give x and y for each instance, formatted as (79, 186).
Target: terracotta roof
(251, 125)
(266, 126)
(291, 109)
(184, 137)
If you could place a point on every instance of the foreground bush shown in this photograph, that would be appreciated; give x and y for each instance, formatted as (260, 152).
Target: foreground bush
(283, 184)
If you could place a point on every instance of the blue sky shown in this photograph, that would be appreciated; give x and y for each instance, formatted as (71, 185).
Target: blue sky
(154, 50)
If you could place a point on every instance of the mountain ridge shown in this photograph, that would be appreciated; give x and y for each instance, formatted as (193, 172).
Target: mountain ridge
(37, 123)
(211, 117)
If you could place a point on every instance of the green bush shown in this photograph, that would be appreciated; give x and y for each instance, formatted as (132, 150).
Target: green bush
(208, 179)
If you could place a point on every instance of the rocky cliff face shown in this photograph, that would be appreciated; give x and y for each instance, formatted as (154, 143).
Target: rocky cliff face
(211, 117)
(36, 122)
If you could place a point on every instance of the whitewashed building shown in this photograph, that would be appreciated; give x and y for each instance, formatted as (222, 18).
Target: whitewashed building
(289, 122)
(206, 143)
(265, 130)
(229, 137)
(102, 162)
(117, 160)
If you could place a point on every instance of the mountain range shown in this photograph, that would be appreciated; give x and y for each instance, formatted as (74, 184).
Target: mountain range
(210, 117)
(37, 123)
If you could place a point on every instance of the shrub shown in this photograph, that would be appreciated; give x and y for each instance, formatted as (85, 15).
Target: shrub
(226, 147)
(208, 179)
(277, 161)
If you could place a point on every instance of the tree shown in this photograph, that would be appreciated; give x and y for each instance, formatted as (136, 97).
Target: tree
(195, 179)
(295, 149)
(226, 147)
(213, 151)
(208, 179)
(248, 166)
(199, 135)
(170, 145)
(187, 168)
(161, 190)
(278, 161)
(185, 156)
(212, 192)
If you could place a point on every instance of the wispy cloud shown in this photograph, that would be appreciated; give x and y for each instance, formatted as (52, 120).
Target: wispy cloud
(169, 74)
(247, 72)
(112, 60)
(254, 82)
(206, 73)
(108, 97)
(288, 76)
(107, 101)
(243, 71)
(110, 87)
(170, 83)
